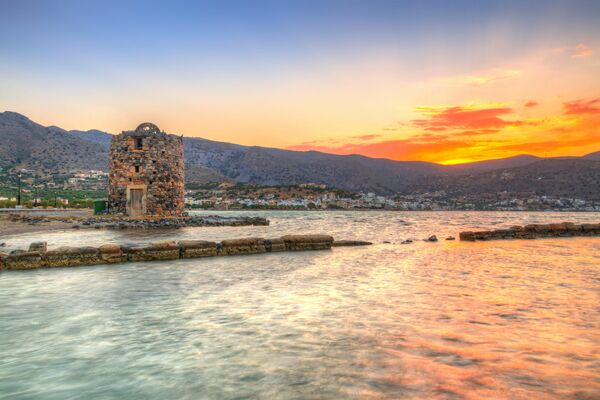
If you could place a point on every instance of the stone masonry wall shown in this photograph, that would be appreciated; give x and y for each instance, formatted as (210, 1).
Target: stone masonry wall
(150, 160)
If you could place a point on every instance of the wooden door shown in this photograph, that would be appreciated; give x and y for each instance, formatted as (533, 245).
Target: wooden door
(136, 201)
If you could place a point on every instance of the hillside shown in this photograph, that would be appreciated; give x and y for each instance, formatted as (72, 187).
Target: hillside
(561, 177)
(25, 144)
(51, 150)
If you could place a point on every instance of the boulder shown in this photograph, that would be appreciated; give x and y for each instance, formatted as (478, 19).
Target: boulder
(71, 256)
(38, 246)
(274, 245)
(538, 228)
(432, 238)
(111, 253)
(242, 246)
(503, 233)
(22, 260)
(156, 251)
(407, 241)
(197, 248)
(483, 235)
(307, 242)
(164, 245)
(571, 227)
(450, 238)
(590, 228)
(557, 228)
(467, 236)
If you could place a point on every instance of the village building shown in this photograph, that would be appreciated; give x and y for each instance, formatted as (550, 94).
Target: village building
(146, 173)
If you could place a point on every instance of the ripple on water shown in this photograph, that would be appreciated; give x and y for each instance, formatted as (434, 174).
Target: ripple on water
(466, 320)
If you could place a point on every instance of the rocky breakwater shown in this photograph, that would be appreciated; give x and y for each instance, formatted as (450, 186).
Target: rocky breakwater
(534, 231)
(118, 222)
(37, 256)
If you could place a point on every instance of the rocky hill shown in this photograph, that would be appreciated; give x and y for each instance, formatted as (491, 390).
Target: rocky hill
(49, 150)
(559, 177)
(25, 144)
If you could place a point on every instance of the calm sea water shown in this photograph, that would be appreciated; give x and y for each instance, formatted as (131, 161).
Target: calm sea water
(447, 320)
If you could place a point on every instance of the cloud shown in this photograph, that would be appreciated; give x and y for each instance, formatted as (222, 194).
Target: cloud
(581, 50)
(462, 133)
(531, 104)
(483, 79)
(408, 149)
(366, 137)
(582, 107)
(463, 117)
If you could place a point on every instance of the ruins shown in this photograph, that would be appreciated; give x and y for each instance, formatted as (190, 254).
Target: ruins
(146, 173)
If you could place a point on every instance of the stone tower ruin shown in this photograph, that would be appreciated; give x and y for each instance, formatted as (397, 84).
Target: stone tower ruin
(146, 173)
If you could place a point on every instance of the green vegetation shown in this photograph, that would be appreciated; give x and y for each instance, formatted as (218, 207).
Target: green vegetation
(46, 191)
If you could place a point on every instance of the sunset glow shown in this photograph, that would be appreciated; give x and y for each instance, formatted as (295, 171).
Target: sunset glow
(443, 82)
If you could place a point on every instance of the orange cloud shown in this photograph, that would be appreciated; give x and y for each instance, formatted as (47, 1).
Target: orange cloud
(582, 107)
(466, 133)
(392, 149)
(462, 117)
(531, 104)
(582, 50)
(366, 137)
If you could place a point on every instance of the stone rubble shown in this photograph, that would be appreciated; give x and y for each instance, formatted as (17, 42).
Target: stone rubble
(534, 231)
(345, 243)
(165, 250)
(117, 222)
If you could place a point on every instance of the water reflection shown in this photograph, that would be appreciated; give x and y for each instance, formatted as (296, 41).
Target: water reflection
(483, 320)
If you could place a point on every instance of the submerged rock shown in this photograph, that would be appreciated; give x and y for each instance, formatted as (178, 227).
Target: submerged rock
(432, 238)
(450, 238)
(532, 231)
(165, 250)
(348, 243)
(407, 241)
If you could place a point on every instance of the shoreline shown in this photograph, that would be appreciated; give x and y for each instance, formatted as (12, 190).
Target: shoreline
(10, 228)
(18, 223)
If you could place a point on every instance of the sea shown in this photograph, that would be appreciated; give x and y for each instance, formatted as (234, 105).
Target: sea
(513, 319)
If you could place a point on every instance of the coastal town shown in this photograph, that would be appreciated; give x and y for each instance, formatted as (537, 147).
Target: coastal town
(80, 189)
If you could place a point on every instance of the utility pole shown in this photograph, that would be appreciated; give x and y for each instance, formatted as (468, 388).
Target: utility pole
(34, 193)
(19, 194)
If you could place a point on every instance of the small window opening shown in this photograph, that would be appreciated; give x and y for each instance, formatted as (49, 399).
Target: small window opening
(137, 168)
(129, 179)
(139, 143)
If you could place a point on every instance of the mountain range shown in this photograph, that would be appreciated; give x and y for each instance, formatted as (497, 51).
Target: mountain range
(48, 150)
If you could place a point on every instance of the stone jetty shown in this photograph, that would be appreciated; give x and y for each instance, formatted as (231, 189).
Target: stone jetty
(534, 231)
(37, 256)
(147, 222)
